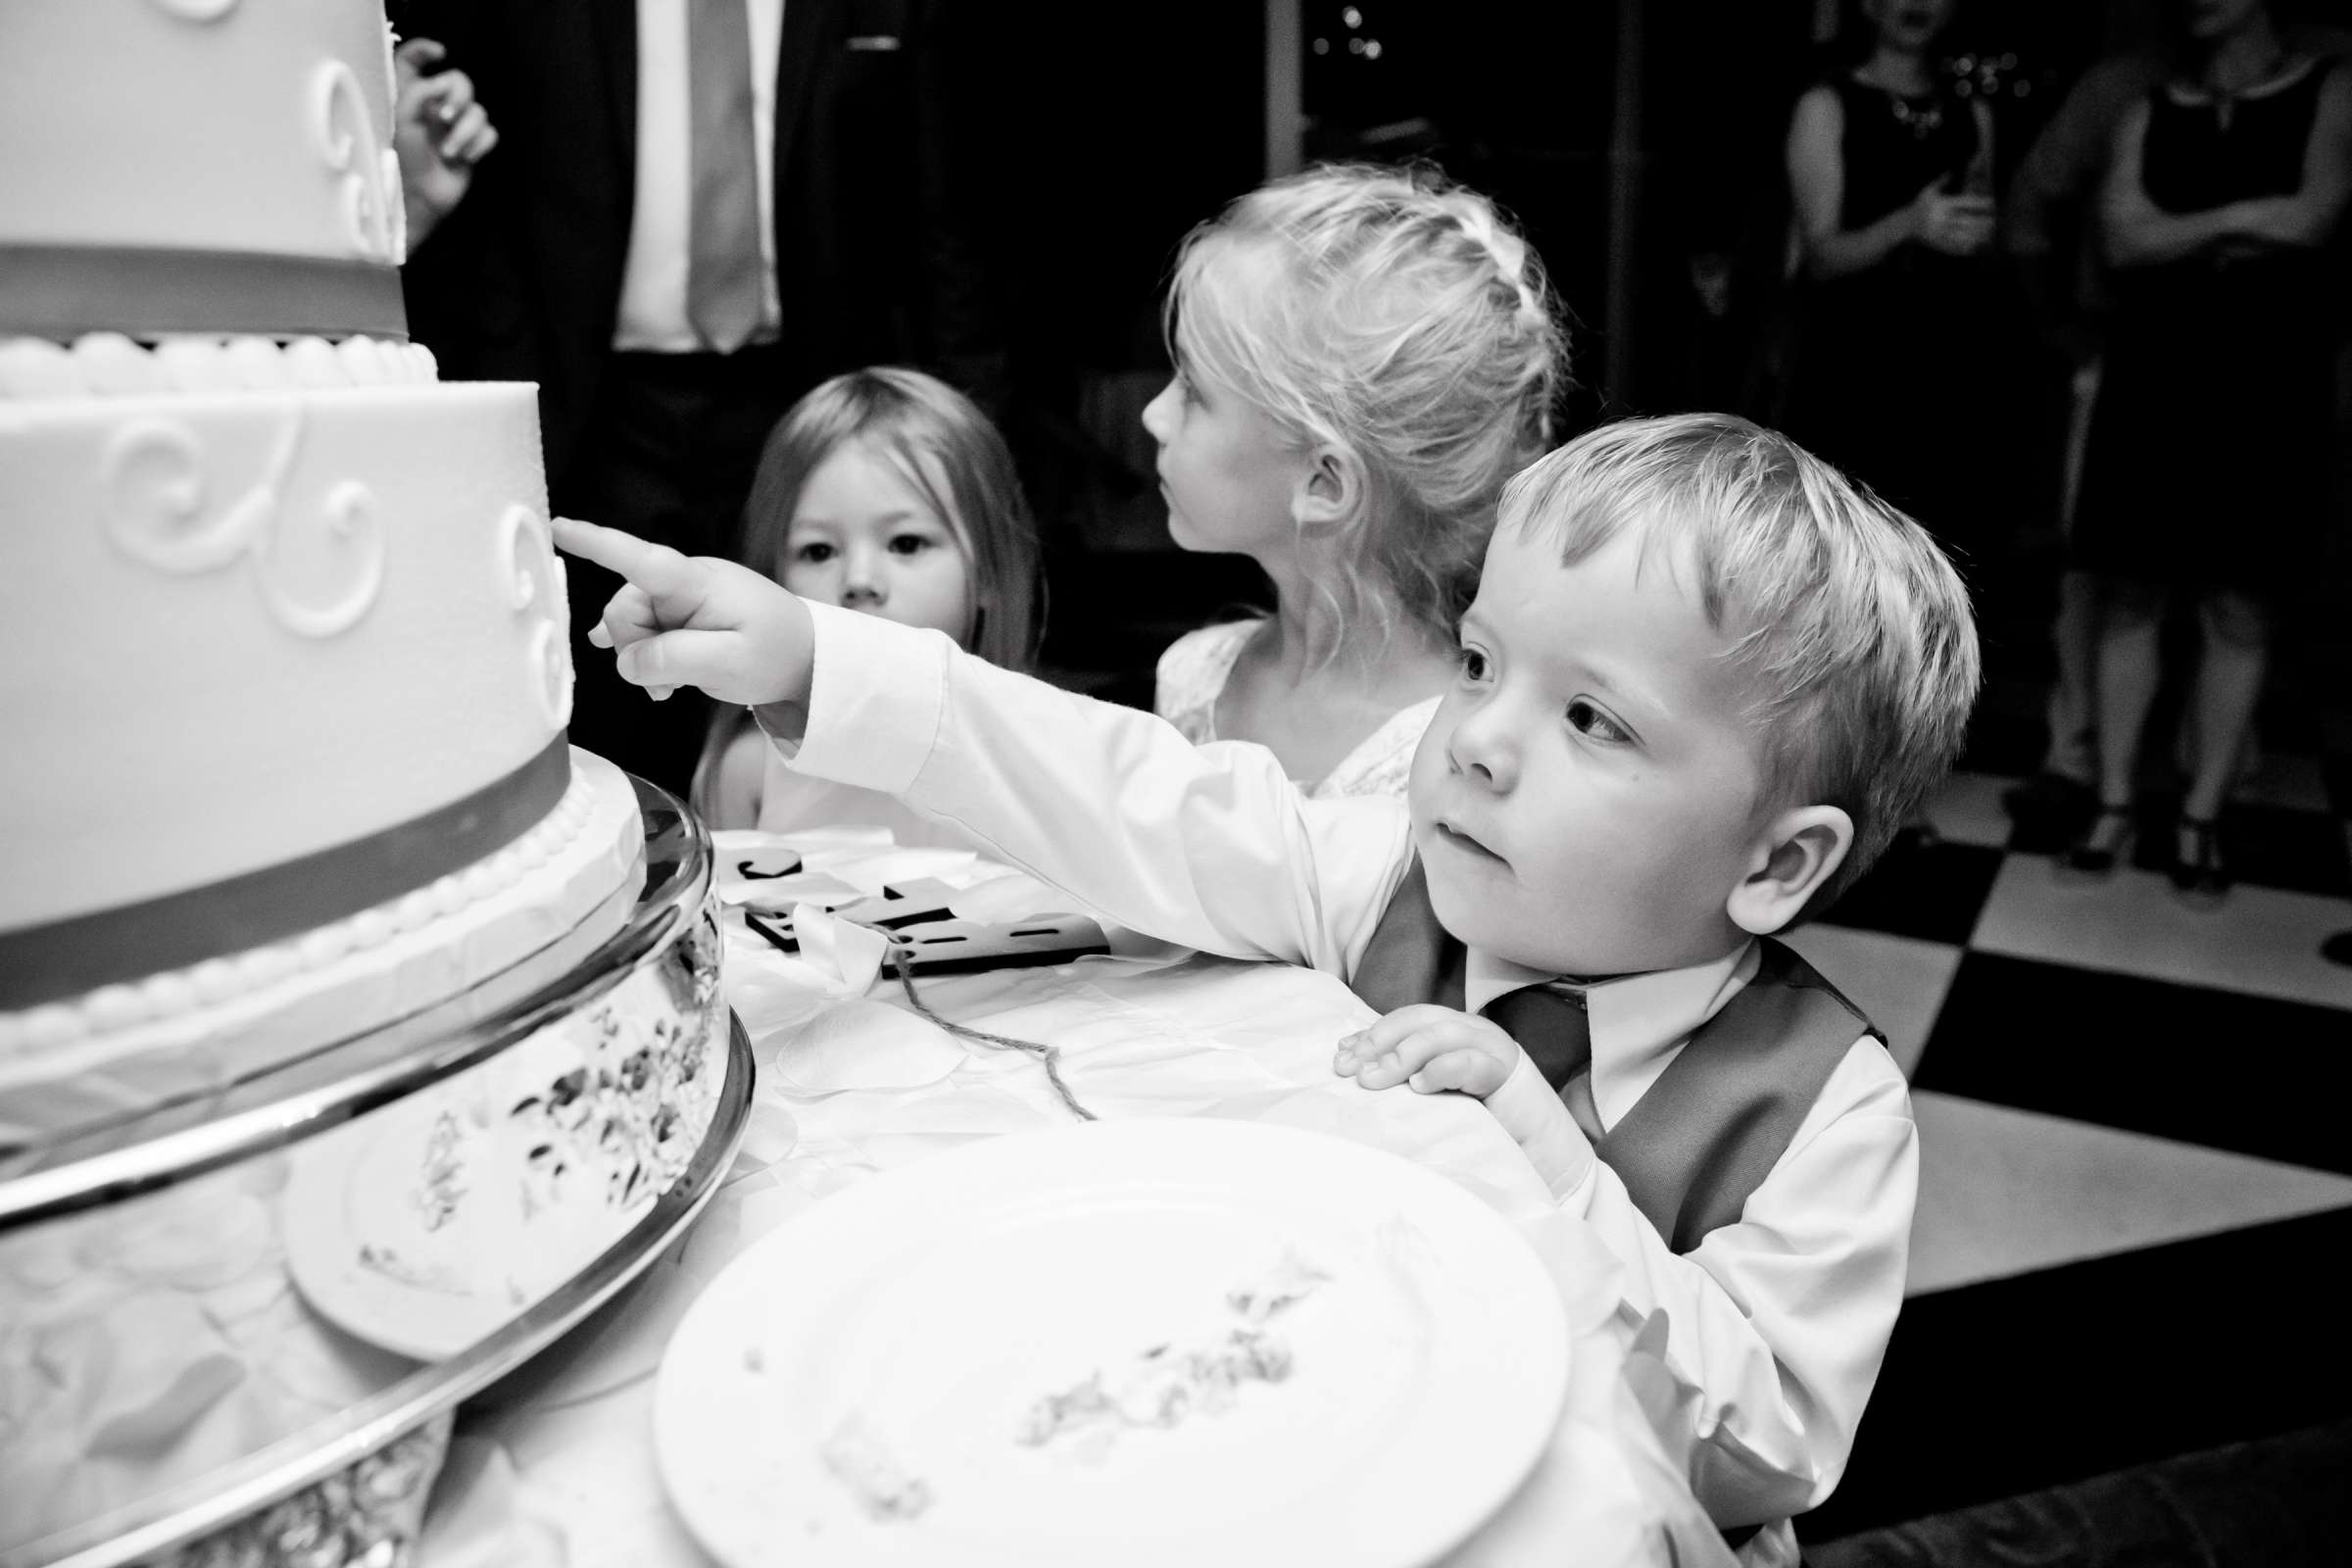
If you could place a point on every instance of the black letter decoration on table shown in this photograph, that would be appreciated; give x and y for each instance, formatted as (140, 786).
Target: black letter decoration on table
(916, 920)
(925, 935)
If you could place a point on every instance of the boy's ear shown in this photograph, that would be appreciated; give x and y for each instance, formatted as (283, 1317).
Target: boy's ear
(1796, 852)
(1331, 488)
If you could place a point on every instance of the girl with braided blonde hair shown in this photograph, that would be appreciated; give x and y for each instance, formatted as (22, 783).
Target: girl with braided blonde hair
(1364, 356)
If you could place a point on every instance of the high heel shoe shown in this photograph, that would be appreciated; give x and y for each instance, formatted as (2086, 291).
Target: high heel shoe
(2100, 846)
(2198, 872)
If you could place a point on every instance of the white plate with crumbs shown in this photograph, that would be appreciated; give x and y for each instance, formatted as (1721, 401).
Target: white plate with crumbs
(1138, 1343)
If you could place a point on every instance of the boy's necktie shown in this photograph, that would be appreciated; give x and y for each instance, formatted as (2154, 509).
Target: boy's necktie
(1412, 958)
(1551, 1026)
(723, 258)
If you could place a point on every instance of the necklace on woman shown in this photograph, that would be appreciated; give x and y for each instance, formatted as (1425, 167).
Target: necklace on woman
(1921, 122)
(1921, 115)
(2224, 100)
(2238, 89)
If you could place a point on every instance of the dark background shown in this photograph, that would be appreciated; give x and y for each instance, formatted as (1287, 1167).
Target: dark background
(1638, 145)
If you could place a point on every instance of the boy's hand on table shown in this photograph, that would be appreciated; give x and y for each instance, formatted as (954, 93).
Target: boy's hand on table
(1436, 1049)
(695, 620)
(1432, 1049)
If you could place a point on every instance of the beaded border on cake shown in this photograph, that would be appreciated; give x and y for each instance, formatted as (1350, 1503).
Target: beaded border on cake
(113, 365)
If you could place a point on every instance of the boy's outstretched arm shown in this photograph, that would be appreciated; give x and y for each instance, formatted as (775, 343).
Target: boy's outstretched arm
(695, 620)
(1211, 847)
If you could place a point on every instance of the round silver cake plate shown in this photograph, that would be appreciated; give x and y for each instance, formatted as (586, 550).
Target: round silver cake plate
(346, 1079)
(79, 1180)
(174, 1519)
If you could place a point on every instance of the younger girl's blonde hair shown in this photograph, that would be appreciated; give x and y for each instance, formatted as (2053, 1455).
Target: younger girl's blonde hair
(930, 432)
(1402, 316)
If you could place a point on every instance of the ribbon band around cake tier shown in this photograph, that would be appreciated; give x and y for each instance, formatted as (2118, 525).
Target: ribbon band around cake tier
(68, 958)
(62, 291)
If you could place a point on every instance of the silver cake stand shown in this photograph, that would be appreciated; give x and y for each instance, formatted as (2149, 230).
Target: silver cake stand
(349, 1489)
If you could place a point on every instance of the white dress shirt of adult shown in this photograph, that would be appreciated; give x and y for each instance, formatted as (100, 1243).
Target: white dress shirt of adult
(652, 286)
(1778, 1324)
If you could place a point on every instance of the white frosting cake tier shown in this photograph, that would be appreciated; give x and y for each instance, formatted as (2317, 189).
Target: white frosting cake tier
(255, 627)
(196, 165)
(549, 899)
(284, 676)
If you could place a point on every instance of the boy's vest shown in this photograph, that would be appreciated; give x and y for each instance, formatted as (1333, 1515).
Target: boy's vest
(1707, 1132)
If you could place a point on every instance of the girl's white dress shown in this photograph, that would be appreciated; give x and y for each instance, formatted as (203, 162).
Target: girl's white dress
(1195, 670)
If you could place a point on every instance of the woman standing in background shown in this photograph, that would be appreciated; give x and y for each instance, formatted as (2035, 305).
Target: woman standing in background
(2207, 465)
(1890, 179)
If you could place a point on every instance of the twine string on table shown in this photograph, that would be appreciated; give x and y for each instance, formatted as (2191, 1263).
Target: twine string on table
(1050, 1055)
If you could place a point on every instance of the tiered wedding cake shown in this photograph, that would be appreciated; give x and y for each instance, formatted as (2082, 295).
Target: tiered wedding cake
(283, 683)
(285, 665)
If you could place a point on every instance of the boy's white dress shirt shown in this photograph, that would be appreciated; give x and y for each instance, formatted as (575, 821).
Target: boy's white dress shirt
(1778, 1324)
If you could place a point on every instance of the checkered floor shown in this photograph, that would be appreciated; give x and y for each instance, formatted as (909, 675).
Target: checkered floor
(2137, 1177)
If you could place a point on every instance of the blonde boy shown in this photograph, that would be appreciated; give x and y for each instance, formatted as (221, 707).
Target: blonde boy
(1704, 681)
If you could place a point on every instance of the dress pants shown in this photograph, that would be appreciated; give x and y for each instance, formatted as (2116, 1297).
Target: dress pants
(669, 455)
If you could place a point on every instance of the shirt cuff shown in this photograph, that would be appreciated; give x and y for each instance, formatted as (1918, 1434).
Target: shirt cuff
(1540, 1124)
(876, 692)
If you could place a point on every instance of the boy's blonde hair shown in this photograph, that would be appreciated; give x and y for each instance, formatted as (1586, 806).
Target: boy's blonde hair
(1851, 628)
(1402, 318)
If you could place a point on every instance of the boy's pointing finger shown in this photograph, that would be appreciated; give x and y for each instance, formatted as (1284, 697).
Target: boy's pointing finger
(659, 570)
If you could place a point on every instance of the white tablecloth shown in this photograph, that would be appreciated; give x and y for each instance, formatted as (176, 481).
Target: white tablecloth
(558, 1466)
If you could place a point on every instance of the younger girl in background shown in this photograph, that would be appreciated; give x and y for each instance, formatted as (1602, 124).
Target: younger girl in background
(884, 491)
(1364, 356)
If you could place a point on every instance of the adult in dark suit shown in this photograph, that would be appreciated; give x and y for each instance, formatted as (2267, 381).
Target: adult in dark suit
(581, 256)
